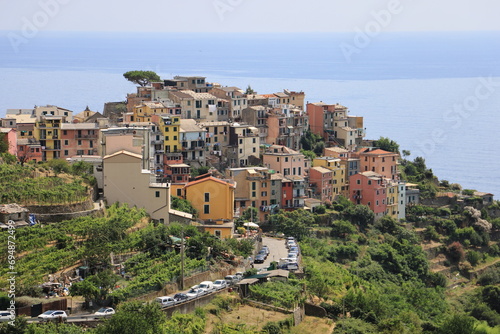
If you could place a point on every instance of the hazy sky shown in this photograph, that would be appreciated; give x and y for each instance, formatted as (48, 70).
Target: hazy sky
(250, 15)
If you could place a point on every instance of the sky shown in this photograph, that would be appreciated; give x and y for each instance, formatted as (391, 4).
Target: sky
(249, 15)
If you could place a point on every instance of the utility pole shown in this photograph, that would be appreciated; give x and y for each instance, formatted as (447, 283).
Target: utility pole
(182, 259)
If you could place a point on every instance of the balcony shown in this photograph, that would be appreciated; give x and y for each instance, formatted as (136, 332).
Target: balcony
(79, 136)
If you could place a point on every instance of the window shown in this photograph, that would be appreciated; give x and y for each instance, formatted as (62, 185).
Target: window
(79, 152)
(207, 197)
(157, 194)
(369, 182)
(218, 233)
(65, 132)
(206, 209)
(254, 194)
(253, 150)
(91, 143)
(383, 169)
(79, 142)
(286, 159)
(254, 140)
(66, 152)
(263, 194)
(358, 181)
(254, 185)
(90, 152)
(179, 192)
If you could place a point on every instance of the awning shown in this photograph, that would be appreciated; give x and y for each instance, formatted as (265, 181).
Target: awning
(250, 224)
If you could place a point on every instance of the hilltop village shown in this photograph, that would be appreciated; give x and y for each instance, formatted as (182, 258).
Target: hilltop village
(194, 207)
(145, 149)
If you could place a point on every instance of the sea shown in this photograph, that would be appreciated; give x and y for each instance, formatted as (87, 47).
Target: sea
(437, 94)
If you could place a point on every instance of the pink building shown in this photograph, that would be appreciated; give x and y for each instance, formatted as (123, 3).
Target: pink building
(321, 180)
(285, 161)
(10, 136)
(79, 139)
(379, 161)
(369, 188)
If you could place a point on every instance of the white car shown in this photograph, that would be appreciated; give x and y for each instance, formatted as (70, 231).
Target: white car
(165, 301)
(53, 314)
(208, 286)
(194, 293)
(105, 312)
(220, 284)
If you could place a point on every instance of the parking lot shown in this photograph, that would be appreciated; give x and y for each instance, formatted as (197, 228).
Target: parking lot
(277, 250)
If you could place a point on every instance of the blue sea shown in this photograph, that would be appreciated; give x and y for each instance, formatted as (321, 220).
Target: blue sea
(436, 94)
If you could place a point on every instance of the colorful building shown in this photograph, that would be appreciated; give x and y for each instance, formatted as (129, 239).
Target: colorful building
(214, 200)
(285, 161)
(379, 161)
(369, 188)
(320, 180)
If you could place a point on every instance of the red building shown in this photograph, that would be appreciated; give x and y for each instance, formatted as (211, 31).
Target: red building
(79, 139)
(321, 180)
(369, 188)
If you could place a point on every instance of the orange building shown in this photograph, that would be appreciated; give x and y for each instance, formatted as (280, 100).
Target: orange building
(379, 161)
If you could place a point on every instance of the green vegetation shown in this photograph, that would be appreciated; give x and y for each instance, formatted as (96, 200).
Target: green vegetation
(43, 250)
(183, 205)
(141, 78)
(28, 185)
(417, 172)
(312, 143)
(386, 144)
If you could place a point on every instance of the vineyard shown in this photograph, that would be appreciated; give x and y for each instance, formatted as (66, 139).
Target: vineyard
(28, 185)
(44, 250)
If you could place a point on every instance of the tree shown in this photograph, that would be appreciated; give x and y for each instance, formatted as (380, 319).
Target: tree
(142, 78)
(135, 317)
(4, 144)
(458, 324)
(59, 166)
(406, 153)
(386, 144)
(359, 215)
(250, 90)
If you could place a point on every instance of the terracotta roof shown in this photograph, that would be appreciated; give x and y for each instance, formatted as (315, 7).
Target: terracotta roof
(379, 151)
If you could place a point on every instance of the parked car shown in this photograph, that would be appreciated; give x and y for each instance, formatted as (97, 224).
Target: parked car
(293, 256)
(104, 312)
(266, 249)
(53, 314)
(208, 286)
(294, 249)
(194, 293)
(259, 258)
(165, 301)
(220, 284)
(231, 279)
(263, 253)
(179, 297)
(239, 275)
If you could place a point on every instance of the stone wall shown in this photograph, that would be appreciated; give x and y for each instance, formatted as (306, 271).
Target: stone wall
(59, 217)
(314, 310)
(61, 208)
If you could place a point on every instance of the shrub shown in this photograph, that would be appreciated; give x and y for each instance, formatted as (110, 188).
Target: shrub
(474, 257)
(490, 276)
(456, 251)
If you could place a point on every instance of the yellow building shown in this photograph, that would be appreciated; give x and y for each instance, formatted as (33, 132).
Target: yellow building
(48, 133)
(392, 191)
(338, 173)
(143, 111)
(214, 200)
